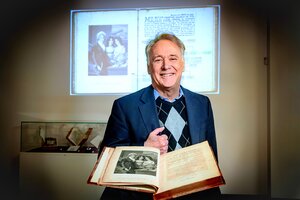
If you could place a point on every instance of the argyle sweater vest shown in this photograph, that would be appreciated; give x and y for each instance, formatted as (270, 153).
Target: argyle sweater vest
(173, 116)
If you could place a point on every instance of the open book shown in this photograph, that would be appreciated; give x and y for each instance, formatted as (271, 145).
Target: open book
(177, 173)
(77, 137)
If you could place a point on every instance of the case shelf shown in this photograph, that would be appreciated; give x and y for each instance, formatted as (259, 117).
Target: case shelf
(81, 137)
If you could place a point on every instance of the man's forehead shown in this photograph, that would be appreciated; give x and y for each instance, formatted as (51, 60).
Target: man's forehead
(165, 43)
(166, 47)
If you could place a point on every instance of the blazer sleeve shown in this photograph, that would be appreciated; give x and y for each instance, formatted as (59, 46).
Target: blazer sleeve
(211, 133)
(116, 132)
(123, 127)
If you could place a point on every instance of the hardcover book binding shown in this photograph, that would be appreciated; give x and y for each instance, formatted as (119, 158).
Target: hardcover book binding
(177, 173)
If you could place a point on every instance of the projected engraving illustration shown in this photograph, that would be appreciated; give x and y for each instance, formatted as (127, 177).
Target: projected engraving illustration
(108, 50)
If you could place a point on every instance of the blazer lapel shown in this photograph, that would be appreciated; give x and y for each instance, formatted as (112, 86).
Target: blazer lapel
(148, 110)
(194, 117)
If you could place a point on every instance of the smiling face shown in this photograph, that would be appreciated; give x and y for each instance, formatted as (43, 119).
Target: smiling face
(166, 66)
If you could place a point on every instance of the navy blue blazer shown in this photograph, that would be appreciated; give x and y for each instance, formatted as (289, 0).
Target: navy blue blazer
(134, 116)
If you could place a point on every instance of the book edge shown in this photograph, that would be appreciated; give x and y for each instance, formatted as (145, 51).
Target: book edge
(191, 188)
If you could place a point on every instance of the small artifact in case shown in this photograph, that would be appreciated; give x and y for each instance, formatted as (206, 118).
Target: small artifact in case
(77, 137)
(50, 142)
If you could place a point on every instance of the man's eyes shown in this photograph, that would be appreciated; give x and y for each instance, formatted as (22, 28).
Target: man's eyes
(161, 59)
(158, 60)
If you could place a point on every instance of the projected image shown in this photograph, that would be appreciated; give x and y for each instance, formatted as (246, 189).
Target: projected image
(108, 45)
(108, 48)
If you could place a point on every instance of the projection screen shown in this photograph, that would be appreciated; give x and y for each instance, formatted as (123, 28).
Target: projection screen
(108, 48)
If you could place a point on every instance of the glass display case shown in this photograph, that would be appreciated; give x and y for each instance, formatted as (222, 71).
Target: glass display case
(81, 137)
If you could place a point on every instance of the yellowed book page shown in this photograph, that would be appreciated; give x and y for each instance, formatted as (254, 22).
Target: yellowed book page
(100, 169)
(138, 188)
(76, 136)
(187, 165)
(133, 165)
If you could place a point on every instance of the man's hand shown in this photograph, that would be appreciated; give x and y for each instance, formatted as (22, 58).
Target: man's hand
(159, 141)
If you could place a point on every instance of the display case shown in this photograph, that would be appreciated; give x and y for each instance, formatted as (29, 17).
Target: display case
(81, 137)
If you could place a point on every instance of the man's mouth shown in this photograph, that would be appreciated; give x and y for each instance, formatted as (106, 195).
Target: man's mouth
(167, 75)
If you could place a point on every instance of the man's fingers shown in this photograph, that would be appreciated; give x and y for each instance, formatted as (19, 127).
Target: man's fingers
(157, 131)
(163, 140)
(155, 134)
(163, 149)
(155, 139)
(164, 136)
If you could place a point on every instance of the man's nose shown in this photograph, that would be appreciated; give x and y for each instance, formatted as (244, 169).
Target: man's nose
(166, 64)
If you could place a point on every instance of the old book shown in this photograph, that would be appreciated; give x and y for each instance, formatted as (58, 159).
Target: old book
(177, 173)
(77, 137)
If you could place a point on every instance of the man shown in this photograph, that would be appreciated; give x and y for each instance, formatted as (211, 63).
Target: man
(164, 115)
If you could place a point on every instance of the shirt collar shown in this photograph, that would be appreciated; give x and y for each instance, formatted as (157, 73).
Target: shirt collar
(156, 95)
